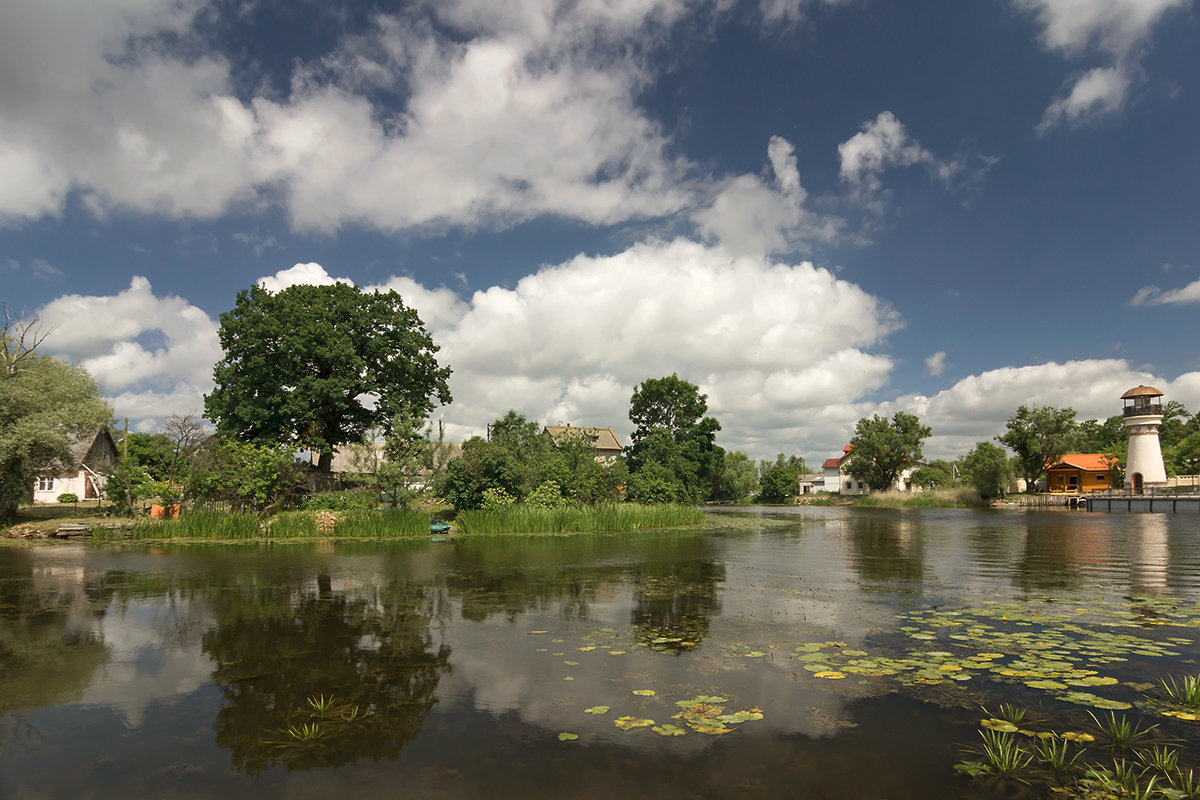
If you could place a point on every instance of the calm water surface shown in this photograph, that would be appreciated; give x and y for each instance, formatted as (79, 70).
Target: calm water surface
(830, 653)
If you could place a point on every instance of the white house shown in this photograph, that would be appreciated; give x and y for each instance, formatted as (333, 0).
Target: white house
(837, 477)
(90, 455)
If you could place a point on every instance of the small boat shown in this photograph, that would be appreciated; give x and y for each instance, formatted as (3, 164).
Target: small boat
(438, 526)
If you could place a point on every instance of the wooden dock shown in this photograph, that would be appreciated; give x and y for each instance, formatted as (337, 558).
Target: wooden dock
(1144, 503)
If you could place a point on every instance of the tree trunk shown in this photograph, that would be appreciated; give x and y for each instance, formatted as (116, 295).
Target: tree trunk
(325, 462)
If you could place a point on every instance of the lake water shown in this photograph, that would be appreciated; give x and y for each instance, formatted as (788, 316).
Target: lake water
(796, 652)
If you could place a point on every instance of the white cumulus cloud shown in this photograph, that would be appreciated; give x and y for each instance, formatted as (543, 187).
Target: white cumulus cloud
(884, 143)
(510, 111)
(977, 407)
(1118, 29)
(152, 356)
(750, 214)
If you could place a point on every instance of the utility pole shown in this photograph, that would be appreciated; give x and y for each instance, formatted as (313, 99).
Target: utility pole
(125, 440)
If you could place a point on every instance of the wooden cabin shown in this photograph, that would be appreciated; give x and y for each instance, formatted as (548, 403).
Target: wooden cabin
(1080, 472)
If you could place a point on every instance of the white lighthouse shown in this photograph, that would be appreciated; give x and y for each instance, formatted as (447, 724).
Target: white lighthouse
(1144, 463)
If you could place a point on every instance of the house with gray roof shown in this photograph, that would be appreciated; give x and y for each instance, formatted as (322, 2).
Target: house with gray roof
(91, 455)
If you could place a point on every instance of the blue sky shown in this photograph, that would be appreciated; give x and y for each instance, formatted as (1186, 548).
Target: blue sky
(816, 210)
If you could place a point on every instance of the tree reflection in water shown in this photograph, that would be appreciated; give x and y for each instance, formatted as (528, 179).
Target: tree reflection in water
(49, 644)
(676, 596)
(322, 678)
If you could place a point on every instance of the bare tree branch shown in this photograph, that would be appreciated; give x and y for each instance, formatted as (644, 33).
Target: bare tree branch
(21, 338)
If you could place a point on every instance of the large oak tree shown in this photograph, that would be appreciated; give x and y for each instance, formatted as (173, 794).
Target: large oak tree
(317, 366)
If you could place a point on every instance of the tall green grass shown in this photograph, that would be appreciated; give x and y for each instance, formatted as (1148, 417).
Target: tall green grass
(609, 518)
(231, 525)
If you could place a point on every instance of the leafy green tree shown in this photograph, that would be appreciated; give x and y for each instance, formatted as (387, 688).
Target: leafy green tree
(518, 458)
(1177, 423)
(738, 478)
(654, 484)
(583, 479)
(937, 474)
(317, 366)
(1040, 436)
(987, 468)
(780, 479)
(128, 483)
(154, 452)
(672, 431)
(45, 404)
(1094, 436)
(247, 475)
(882, 448)
(1184, 457)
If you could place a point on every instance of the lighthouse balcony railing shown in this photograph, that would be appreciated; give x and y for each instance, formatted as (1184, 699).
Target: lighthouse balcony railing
(1152, 409)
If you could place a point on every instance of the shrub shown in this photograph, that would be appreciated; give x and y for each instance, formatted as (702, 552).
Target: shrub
(67, 497)
(548, 495)
(341, 501)
(496, 498)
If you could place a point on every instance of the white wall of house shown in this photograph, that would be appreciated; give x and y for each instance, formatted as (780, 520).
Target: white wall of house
(83, 485)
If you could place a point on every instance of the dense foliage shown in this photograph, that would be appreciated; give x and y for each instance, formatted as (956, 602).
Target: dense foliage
(672, 433)
(520, 462)
(300, 364)
(46, 405)
(988, 469)
(882, 448)
(1040, 436)
(780, 479)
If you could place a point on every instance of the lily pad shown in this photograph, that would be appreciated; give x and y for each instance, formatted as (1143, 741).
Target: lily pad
(644, 692)
(629, 723)
(668, 730)
(596, 710)
(567, 737)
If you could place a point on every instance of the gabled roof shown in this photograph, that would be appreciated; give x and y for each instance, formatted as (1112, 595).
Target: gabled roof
(1090, 462)
(832, 463)
(82, 442)
(602, 438)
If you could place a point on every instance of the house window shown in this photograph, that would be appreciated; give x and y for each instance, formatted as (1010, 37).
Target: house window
(45, 484)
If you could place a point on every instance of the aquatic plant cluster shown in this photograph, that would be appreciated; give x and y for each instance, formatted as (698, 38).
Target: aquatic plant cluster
(1087, 653)
(1117, 761)
(1074, 654)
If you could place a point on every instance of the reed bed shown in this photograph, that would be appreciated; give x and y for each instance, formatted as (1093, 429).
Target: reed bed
(610, 518)
(937, 498)
(233, 525)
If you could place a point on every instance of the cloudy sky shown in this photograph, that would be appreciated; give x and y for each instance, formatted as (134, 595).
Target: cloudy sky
(814, 209)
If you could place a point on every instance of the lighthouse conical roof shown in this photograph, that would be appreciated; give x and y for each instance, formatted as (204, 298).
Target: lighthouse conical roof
(1141, 391)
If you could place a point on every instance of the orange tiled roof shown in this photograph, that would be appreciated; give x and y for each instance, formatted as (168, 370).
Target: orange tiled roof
(1091, 462)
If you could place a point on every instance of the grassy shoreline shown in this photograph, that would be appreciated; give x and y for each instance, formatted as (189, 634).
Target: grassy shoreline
(42, 523)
